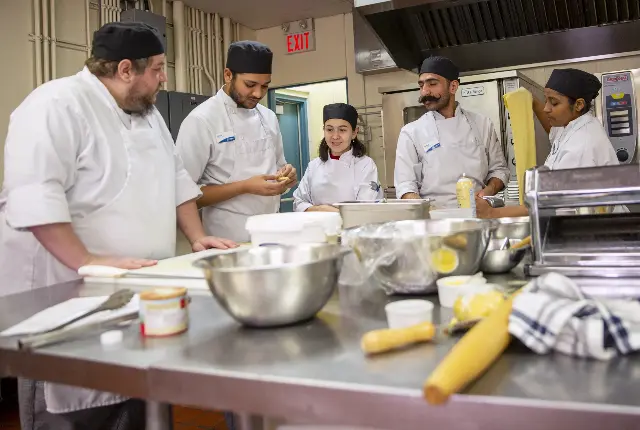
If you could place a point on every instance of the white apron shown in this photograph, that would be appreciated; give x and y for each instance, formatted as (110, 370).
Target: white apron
(251, 158)
(564, 137)
(445, 155)
(561, 140)
(337, 182)
(139, 222)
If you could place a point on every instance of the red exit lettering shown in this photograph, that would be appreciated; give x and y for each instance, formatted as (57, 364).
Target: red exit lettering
(298, 42)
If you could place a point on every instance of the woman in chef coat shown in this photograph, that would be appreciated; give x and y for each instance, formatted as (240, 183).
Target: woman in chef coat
(342, 172)
(577, 137)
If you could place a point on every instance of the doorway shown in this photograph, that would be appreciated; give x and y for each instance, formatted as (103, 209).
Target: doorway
(299, 112)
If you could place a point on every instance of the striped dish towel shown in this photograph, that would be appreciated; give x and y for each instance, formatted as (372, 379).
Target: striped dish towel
(551, 313)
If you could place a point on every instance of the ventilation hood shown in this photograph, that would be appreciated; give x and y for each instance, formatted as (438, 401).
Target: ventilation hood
(482, 35)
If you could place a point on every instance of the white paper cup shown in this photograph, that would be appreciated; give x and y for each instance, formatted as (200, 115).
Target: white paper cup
(451, 287)
(407, 313)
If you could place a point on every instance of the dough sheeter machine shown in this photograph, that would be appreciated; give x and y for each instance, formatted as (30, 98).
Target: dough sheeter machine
(579, 227)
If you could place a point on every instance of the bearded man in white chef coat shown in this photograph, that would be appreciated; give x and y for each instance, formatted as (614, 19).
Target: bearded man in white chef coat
(232, 146)
(92, 177)
(447, 141)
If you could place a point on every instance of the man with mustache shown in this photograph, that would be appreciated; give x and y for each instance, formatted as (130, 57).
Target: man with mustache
(446, 142)
(232, 146)
(92, 177)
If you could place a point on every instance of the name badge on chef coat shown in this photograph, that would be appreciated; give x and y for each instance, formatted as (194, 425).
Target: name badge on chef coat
(227, 136)
(432, 147)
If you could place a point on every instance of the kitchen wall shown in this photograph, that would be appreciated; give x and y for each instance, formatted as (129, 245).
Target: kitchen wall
(318, 95)
(334, 58)
(17, 48)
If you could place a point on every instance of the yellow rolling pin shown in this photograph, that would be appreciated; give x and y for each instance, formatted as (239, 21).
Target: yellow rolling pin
(471, 356)
(377, 341)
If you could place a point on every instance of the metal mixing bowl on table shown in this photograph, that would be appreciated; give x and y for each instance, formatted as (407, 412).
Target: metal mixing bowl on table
(499, 257)
(274, 285)
(408, 256)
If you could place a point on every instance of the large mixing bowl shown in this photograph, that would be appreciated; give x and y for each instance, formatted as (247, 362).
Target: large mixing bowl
(274, 285)
(410, 255)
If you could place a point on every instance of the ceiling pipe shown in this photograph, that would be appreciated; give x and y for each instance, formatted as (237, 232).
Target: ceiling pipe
(87, 23)
(226, 36)
(219, 65)
(47, 41)
(37, 18)
(205, 53)
(54, 62)
(180, 46)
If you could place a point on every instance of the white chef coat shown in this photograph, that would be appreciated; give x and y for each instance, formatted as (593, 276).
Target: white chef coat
(221, 143)
(73, 156)
(434, 151)
(333, 181)
(582, 143)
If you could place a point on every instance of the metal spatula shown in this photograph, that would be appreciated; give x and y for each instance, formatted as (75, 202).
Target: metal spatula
(115, 301)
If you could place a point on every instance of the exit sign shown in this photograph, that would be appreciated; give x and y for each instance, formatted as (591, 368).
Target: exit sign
(300, 42)
(299, 36)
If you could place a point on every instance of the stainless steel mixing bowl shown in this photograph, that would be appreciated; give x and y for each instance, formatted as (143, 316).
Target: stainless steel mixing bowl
(512, 228)
(275, 285)
(403, 250)
(498, 260)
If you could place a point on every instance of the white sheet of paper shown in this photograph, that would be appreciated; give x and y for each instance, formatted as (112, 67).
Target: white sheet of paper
(66, 311)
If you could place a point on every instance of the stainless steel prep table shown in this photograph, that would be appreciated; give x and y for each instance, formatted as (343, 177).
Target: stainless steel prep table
(316, 373)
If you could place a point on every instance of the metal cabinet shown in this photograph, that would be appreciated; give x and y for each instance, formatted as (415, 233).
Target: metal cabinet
(174, 108)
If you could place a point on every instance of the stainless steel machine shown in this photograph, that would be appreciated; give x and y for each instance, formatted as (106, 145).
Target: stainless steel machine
(478, 93)
(617, 108)
(574, 229)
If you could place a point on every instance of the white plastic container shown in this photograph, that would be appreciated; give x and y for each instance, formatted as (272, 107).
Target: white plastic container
(294, 227)
(164, 311)
(451, 287)
(451, 213)
(407, 313)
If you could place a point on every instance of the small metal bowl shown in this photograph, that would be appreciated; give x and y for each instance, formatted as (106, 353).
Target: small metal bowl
(512, 228)
(496, 260)
(274, 285)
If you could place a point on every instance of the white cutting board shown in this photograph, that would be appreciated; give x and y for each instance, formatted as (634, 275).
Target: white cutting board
(176, 271)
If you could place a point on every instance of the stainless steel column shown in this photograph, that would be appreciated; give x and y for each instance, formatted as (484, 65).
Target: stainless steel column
(159, 416)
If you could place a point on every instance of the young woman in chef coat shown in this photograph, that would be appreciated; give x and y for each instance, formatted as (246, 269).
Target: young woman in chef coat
(577, 138)
(342, 172)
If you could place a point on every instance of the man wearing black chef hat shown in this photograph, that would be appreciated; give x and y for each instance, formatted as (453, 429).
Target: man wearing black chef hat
(577, 137)
(92, 178)
(232, 146)
(435, 150)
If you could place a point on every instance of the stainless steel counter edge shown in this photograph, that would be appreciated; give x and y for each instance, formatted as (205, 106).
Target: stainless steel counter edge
(373, 407)
(315, 372)
(124, 380)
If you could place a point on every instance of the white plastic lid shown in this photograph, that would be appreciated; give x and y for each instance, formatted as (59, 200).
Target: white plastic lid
(331, 222)
(111, 337)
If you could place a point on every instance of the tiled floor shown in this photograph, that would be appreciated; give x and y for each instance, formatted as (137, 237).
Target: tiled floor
(183, 418)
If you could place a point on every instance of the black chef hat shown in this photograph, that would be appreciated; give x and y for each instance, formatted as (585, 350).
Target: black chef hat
(441, 66)
(248, 56)
(119, 41)
(574, 83)
(340, 111)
